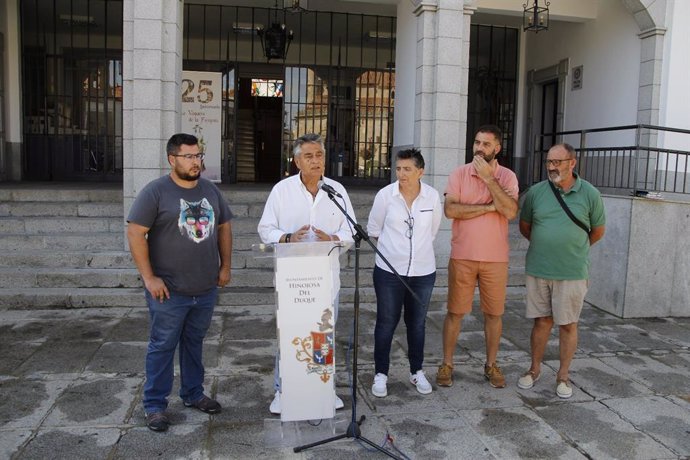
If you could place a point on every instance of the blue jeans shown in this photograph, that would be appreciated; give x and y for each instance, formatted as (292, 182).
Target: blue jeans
(391, 296)
(182, 320)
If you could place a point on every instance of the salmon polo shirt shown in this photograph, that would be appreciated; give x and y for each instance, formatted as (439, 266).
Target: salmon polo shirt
(483, 238)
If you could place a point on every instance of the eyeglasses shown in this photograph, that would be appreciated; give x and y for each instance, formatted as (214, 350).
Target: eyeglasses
(190, 156)
(410, 227)
(556, 162)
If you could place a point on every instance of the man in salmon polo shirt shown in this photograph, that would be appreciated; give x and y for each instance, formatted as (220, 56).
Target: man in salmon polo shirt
(481, 197)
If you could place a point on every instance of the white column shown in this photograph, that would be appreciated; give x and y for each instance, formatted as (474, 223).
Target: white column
(648, 98)
(152, 71)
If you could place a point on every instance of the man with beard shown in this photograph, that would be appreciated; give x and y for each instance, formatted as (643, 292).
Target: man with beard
(481, 197)
(558, 259)
(181, 242)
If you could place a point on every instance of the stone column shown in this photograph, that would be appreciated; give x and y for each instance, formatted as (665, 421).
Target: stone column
(11, 104)
(648, 98)
(152, 71)
(441, 94)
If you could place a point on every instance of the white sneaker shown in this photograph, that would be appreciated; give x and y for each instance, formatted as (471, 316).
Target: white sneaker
(338, 403)
(274, 408)
(379, 388)
(419, 380)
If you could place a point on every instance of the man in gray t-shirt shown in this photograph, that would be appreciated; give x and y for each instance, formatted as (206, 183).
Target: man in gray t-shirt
(180, 238)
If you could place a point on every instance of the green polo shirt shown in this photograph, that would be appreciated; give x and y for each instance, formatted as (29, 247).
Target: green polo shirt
(559, 249)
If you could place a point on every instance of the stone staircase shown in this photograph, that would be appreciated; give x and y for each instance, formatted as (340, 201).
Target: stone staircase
(245, 148)
(63, 246)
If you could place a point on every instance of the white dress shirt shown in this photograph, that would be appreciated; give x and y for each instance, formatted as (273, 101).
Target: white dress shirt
(388, 221)
(291, 206)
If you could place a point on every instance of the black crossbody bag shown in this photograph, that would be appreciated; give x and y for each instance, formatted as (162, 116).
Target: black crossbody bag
(565, 207)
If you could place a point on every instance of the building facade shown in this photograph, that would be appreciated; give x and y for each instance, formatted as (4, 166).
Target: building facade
(91, 90)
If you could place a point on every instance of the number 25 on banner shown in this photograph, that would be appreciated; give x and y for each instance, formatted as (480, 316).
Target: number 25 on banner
(204, 93)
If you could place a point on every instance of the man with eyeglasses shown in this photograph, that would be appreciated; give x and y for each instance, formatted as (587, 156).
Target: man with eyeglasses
(298, 210)
(557, 265)
(180, 238)
(481, 197)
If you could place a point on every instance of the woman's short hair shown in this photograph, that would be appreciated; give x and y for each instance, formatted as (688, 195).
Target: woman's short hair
(411, 154)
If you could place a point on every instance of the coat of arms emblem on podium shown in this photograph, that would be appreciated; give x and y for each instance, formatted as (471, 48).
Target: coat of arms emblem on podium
(318, 350)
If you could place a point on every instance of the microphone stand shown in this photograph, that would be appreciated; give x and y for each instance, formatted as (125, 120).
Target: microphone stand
(353, 429)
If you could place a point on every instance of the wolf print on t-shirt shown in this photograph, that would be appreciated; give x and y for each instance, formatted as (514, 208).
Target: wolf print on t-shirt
(197, 219)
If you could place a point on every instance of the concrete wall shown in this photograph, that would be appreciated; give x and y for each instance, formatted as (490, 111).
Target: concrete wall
(641, 267)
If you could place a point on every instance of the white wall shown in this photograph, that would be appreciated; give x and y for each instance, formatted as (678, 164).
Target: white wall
(609, 50)
(405, 72)
(675, 86)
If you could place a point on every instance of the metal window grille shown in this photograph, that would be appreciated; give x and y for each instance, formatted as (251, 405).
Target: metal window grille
(72, 79)
(493, 85)
(338, 76)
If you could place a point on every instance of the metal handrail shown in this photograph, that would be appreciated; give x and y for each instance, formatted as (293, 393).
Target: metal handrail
(652, 168)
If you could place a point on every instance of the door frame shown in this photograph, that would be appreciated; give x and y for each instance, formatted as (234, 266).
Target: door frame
(535, 80)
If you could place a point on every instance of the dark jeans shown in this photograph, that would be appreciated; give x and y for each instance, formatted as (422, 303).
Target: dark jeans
(391, 296)
(182, 320)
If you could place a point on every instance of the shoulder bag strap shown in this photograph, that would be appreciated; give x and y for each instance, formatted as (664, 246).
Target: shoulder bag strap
(566, 208)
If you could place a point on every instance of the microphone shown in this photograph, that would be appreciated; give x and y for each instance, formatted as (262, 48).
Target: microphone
(328, 189)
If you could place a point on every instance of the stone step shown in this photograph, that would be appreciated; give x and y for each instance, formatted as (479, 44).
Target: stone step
(51, 225)
(28, 298)
(55, 277)
(112, 193)
(90, 252)
(67, 251)
(63, 209)
(41, 225)
(58, 242)
(83, 193)
(80, 259)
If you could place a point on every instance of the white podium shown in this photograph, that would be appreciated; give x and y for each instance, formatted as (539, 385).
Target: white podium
(306, 283)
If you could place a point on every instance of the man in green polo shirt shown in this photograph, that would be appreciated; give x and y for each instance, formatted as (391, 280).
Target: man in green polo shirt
(558, 259)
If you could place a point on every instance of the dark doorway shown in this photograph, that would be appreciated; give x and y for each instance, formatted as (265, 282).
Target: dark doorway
(549, 114)
(492, 85)
(259, 129)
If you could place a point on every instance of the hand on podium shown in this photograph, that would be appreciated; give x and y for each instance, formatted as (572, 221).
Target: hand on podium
(309, 233)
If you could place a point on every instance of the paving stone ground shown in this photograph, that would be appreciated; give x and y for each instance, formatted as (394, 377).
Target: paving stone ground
(71, 382)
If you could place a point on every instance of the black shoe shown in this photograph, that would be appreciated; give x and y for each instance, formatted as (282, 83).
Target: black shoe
(205, 404)
(157, 421)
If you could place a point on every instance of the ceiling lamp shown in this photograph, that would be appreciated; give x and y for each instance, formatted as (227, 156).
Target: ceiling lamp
(535, 17)
(294, 6)
(275, 40)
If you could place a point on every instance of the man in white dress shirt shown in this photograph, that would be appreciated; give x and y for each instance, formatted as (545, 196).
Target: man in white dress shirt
(297, 210)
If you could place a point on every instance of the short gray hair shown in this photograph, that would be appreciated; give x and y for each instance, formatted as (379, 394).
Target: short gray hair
(568, 148)
(311, 138)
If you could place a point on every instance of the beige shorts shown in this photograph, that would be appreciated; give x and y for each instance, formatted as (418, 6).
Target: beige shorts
(462, 279)
(561, 299)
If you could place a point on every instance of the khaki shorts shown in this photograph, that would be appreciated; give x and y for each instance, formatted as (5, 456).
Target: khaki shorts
(561, 299)
(462, 278)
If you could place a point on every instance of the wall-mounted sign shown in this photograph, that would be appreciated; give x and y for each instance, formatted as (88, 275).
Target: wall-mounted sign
(201, 115)
(577, 77)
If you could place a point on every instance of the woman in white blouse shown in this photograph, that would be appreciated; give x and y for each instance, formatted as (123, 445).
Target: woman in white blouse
(405, 218)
